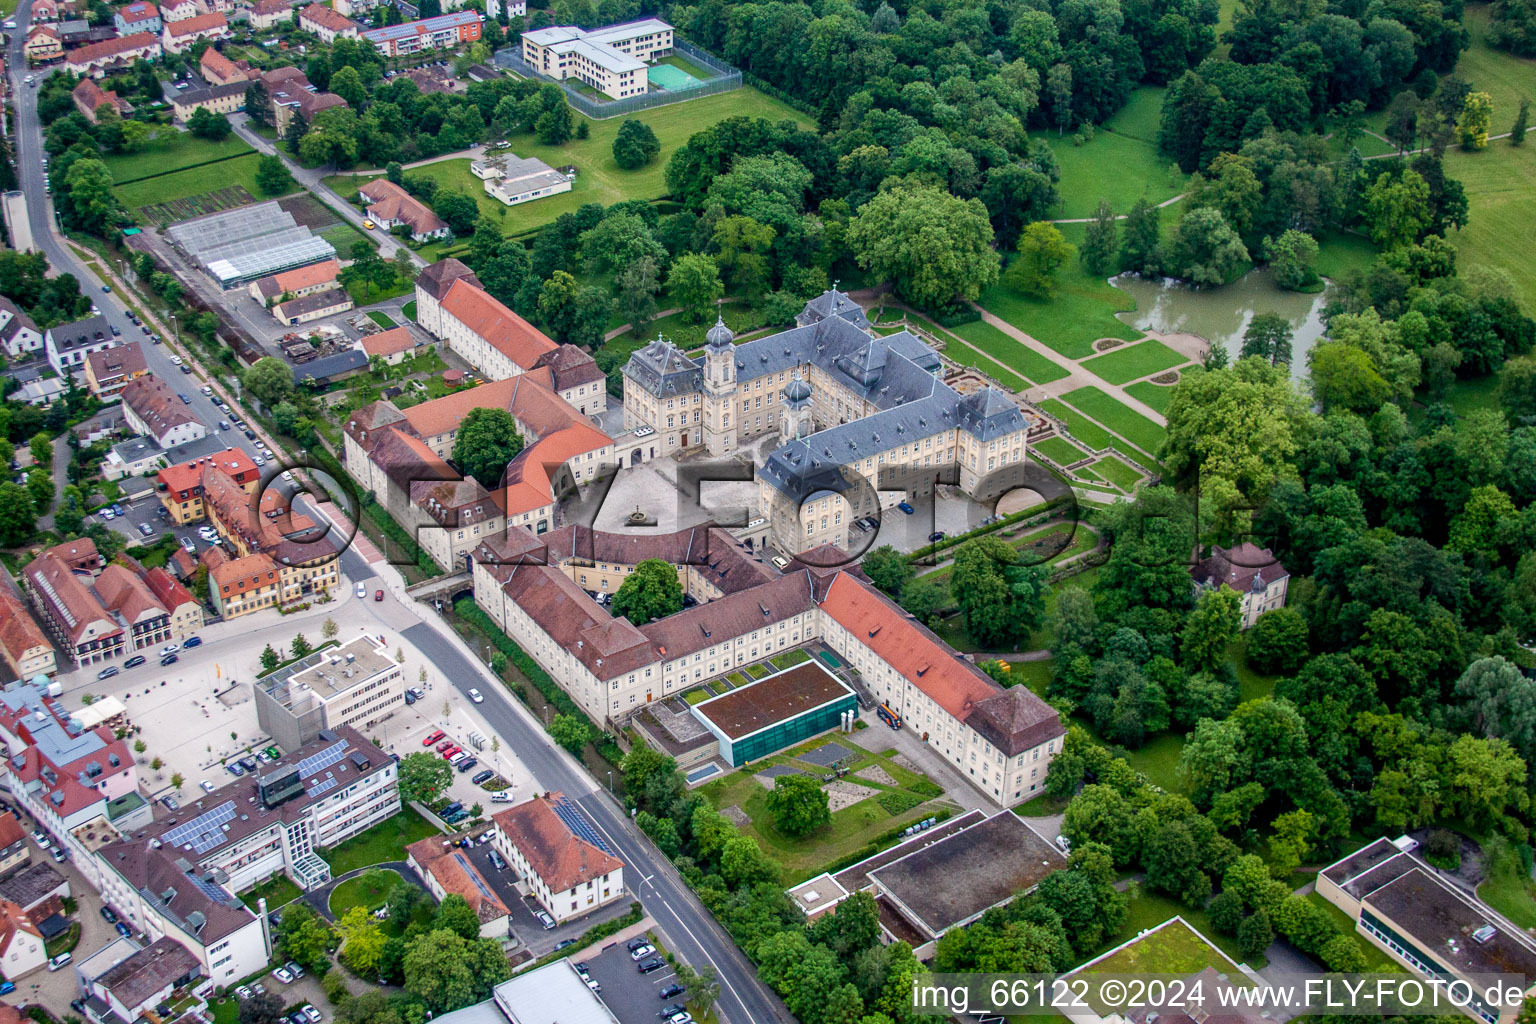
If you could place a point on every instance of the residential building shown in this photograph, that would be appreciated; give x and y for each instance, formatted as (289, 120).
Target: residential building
(452, 305)
(146, 621)
(22, 950)
(297, 283)
(185, 611)
(269, 14)
(38, 889)
(357, 8)
(181, 485)
(315, 306)
(243, 585)
(392, 346)
(108, 370)
(357, 684)
(1254, 573)
(291, 94)
(14, 852)
(444, 32)
(139, 16)
(327, 369)
(67, 345)
(611, 60)
(18, 334)
(90, 97)
(514, 180)
(218, 69)
(42, 391)
(1001, 739)
(96, 59)
(44, 10)
(327, 23)
(137, 456)
(77, 783)
(389, 205)
(218, 99)
(23, 643)
(157, 412)
(70, 612)
(447, 870)
(1405, 907)
(862, 419)
(146, 979)
(576, 378)
(514, 8)
(44, 43)
(566, 863)
(180, 35)
(178, 10)
(303, 552)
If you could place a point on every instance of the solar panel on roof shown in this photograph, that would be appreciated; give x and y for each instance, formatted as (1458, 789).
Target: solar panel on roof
(322, 786)
(323, 760)
(578, 824)
(474, 876)
(207, 888)
(202, 833)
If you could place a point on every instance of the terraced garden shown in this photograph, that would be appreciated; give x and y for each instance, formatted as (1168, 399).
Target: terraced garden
(1130, 362)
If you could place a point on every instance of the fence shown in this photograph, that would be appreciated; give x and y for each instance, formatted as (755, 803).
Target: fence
(726, 79)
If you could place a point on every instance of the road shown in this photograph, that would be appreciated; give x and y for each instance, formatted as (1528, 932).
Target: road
(694, 934)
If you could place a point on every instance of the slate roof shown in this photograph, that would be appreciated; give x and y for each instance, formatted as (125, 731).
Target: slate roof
(1242, 568)
(436, 279)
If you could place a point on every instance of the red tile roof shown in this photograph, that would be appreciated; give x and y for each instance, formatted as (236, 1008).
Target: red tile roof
(121, 361)
(218, 66)
(437, 278)
(559, 857)
(243, 575)
(201, 23)
(188, 476)
(507, 332)
(138, 11)
(166, 589)
(152, 400)
(457, 875)
(123, 592)
(74, 607)
(19, 633)
(387, 343)
(112, 48)
(389, 201)
(11, 831)
(327, 18)
(296, 280)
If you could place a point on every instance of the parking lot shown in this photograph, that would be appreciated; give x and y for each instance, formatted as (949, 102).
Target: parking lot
(633, 997)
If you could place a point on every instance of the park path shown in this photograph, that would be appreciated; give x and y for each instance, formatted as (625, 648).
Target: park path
(625, 329)
(1078, 376)
(1119, 216)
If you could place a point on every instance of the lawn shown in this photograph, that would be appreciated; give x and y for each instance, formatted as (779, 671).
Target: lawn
(342, 235)
(277, 890)
(599, 179)
(409, 309)
(192, 181)
(1034, 674)
(1034, 366)
(369, 891)
(1086, 431)
(382, 319)
(1339, 253)
(1082, 311)
(963, 351)
(1155, 395)
(686, 334)
(1117, 473)
(384, 842)
(1506, 887)
(1059, 451)
(1128, 362)
(1132, 426)
(851, 829)
(172, 153)
(1127, 142)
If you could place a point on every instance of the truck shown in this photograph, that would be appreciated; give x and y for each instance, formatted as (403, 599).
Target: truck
(888, 716)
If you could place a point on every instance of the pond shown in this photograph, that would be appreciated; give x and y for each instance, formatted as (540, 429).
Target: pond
(1221, 315)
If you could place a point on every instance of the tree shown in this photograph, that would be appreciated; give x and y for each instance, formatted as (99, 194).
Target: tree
(1254, 934)
(1402, 129)
(703, 985)
(304, 938)
(1140, 242)
(269, 379)
(487, 442)
(1499, 701)
(446, 971)
(1277, 643)
(348, 84)
(570, 732)
(798, 805)
(329, 629)
(1291, 257)
(1397, 211)
(1472, 123)
(362, 941)
(269, 658)
(424, 777)
(1058, 89)
(1098, 252)
(177, 781)
(1269, 338)
(1042, 251)
(888, 569)
(300, 646)
(88, 197)
(635, 145)
(17, 517)
(651, 591)
(456, 915)
(638, 284)
(266, 1008)
(1002, 601)
(934, 247)
(1205, 249)
(694, 284)
(205, 124)
(459, 210)
(272, 175)
(1517, 132)
(139, 746)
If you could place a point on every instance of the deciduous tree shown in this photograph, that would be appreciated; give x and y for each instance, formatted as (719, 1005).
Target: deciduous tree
(487, 442)
(798, 805)
(424, 777)
(932, 246)
(651, 591)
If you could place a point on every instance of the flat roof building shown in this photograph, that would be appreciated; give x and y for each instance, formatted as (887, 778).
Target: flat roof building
(611, 60)
(355, 685)
(775, 712)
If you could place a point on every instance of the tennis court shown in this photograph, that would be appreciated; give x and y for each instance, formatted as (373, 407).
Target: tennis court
(665, 76)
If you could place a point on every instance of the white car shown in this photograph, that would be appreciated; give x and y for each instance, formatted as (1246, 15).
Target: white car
(258, 460)
(207, 390)
(169, 649)
(176, 359)
(208, 787)
(476, 696)
(282, 975)
(362, 590)
(641, 952)
(310, 1013)
(243, 992)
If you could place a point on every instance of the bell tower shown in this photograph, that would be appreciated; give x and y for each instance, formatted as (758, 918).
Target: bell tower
(795, 410)
(719, 389)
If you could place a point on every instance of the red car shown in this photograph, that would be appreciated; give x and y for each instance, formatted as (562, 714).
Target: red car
(378, 595)
(448, 754)
(433, 738)
(444, 745)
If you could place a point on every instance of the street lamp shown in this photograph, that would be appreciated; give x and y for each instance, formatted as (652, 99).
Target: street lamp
(176, 327)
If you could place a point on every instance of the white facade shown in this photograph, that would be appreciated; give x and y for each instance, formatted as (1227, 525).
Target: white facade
(68, 344)
(611, 60)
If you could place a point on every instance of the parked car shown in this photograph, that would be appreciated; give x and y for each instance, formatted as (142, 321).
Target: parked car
(191, 642)
(294, 968)
(496, 861)
(362, 591)
(642, 951)
(242, 992)
(443, 746)
(169, 802)
(636, 942)
(234, 769)
(60, 961)
(468, 763)
(432, 737)
(655, 963)
(208, 787)
(184, 399)
(124, 930)
(170, 648)
(503, 797)
(135, 661)
(283, 975)
(545, 920)
(410, 698)
(563, 943)
(169, 659)
(378, 595)
(311, 1013)
(670, 991)
(448, 754)
(934, 538)
(108, 915)
(905, 507)
(107, 673)
(485, 776)
(248, 763)
(146, 529)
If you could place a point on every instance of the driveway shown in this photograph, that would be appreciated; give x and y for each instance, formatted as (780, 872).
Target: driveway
(880, 737)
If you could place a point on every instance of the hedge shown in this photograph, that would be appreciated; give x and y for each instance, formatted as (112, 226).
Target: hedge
(385, 522)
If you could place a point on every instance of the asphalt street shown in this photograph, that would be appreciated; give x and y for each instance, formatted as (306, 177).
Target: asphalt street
(693, 932)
